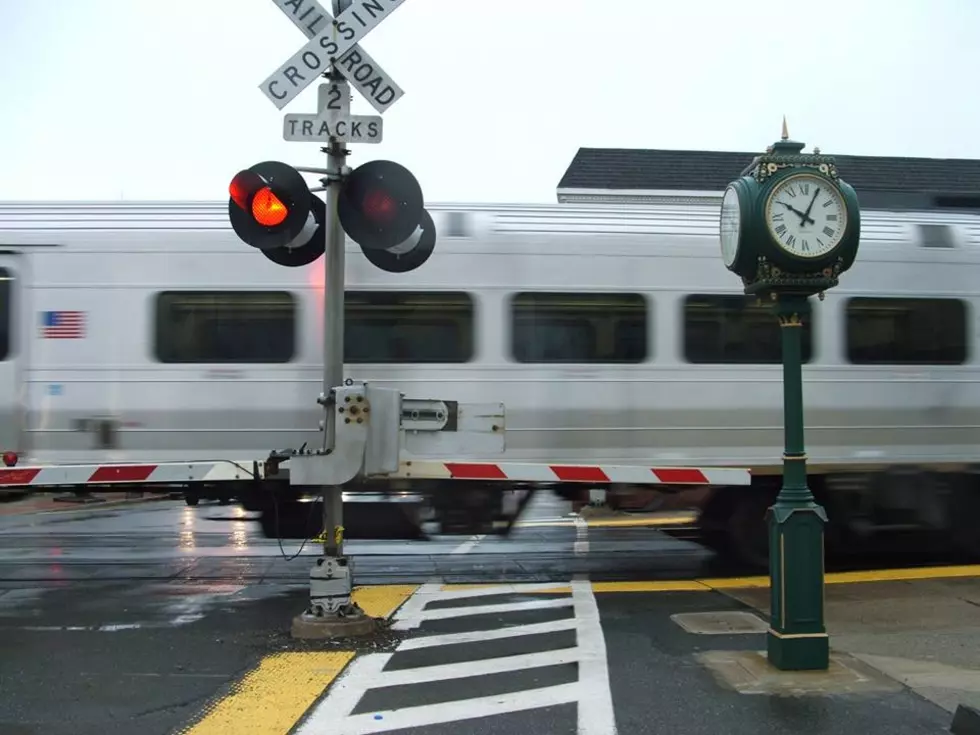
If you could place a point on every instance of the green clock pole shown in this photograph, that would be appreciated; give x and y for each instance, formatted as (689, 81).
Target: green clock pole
(797, 638)
(789, 228)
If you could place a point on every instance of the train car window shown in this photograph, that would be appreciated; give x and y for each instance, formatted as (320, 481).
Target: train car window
(735, 330)
(225, 326)
(903, 331)
(935, 236)
(6, 312)
(456, 224)
(408, 327)
(579, 328)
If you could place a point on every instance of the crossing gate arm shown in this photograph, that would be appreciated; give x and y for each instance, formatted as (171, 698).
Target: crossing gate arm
(590, 474)
(153, 473)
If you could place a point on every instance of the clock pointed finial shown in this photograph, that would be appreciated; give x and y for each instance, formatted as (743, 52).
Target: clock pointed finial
(785, 145)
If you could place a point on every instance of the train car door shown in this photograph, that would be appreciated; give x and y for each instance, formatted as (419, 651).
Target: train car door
(11, 350)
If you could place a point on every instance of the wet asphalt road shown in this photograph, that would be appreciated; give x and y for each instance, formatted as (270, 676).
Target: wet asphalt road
(126, 619)
(132, 619)
(166, 541)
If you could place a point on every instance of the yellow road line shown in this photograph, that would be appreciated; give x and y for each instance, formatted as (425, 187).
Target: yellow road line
(381, 601)
(271, 698)
(671, 520)
(545, 524)
(665, 586)
(507, 587)
(616, 522)
(735, 583)
(896, 575)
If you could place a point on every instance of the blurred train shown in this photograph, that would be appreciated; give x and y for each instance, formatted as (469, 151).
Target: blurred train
(149, 332)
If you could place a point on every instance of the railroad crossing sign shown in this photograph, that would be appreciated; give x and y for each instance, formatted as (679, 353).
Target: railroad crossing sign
(333, 100)
(333, 120)
(334, 40)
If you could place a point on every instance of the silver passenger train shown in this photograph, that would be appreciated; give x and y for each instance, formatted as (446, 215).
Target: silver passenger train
(149, 332)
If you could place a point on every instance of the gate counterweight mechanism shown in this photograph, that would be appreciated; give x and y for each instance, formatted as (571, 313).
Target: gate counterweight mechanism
(365, 427)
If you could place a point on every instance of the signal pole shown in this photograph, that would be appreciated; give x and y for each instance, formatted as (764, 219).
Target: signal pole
(380, 206)
(333, 340)
(333, 322)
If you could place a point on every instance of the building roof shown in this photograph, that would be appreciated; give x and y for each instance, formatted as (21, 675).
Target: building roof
(915, 181)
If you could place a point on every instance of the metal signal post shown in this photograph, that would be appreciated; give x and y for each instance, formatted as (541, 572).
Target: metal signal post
(380, 207)
(332, 570)
(333, 325)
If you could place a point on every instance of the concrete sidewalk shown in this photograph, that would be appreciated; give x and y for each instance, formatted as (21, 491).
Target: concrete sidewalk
(924, 633)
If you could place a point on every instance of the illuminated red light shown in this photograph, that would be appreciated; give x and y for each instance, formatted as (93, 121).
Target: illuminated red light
(10, 458)
(242, 186)
(268, 209)
(379, 206)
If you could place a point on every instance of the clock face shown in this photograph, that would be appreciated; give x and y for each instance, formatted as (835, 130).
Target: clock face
(806, 215)
(730, 225)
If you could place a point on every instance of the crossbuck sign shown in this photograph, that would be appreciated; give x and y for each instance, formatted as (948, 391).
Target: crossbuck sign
(334, 41)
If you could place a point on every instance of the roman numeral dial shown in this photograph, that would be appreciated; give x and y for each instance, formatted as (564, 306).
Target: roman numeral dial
(806, 216)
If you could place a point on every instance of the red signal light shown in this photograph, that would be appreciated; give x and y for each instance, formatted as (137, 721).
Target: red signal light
(379, 206)
(271, 207)
(243, 186)
(10, 458)
(268, 209)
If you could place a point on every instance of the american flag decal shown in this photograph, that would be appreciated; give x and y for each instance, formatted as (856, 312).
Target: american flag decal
(62, 324)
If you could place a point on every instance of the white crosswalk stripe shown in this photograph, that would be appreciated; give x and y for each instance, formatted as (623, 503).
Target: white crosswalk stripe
(466, 657)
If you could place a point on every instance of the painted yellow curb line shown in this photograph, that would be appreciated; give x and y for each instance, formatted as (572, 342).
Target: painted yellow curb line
(736, 583)
(673, 519)
(272, 697)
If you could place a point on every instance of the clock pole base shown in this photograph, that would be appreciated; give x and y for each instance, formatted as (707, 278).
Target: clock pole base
(798, 654)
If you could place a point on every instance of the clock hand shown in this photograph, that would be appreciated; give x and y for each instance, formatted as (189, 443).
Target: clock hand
(794, 210)
(807, 214)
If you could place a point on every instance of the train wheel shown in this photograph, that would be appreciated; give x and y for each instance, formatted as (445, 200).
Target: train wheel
(191, 499)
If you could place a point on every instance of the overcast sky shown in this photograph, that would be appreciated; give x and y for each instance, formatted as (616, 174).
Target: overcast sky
(142, 99)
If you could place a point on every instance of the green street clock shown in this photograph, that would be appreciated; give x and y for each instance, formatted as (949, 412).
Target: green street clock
(789, 222)
(789, 227)
(730, 226)
(806, 216)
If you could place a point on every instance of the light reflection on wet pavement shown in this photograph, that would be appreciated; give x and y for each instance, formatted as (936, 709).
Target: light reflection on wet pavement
(169, 541)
